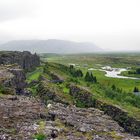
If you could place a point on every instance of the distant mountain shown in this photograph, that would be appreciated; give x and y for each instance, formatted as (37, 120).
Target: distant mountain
(50, 46)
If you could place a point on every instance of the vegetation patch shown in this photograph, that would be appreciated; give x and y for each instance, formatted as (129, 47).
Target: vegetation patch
(35, 74)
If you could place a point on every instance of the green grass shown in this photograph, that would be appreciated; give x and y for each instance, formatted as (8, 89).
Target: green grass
(124, 84)
(99, 89)
(125, 73)
(120, 60)
(60, 90)
(35, 74)
(112, 59)
(39, 136)
(66, 90)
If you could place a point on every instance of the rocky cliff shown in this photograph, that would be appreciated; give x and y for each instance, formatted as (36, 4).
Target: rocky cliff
(25, 59)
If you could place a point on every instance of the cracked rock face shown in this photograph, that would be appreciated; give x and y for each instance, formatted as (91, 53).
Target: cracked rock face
(19, 78)
(23, 117)
(13, 78)
(25, 59)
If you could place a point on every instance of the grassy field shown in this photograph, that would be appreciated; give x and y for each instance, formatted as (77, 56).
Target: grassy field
(125, 84)
(122, 96)
(112, 59)
(125, 73)
(101, 90)
(121, 60)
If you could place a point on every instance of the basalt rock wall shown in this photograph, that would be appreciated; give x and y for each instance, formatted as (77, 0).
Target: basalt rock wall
(25, 59)
(12, 78)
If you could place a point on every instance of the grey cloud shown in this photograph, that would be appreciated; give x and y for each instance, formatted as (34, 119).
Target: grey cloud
(7, 14)
(15, 9)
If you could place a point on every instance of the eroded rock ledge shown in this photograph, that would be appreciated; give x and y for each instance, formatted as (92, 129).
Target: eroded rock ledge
(21, 117)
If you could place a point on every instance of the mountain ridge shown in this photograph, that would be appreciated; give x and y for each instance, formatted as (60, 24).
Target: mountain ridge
(50, 46)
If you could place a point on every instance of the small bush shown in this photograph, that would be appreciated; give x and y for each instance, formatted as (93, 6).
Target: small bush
(39, 136)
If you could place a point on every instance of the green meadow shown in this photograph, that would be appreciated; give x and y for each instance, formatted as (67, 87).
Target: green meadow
(110, 90)
(117, 60)
(34, 75)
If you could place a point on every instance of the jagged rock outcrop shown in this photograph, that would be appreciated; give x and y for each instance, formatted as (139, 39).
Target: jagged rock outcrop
(25, 59)
(18, 79)
(12, 78)
(23, 118)
(12, 66)
(87, 99)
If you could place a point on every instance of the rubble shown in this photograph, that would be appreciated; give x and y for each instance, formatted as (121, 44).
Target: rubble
(22, 118)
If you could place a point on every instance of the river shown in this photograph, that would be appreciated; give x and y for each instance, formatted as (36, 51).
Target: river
(114, 72)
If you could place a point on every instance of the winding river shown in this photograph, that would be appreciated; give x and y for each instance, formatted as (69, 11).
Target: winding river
(115, 72)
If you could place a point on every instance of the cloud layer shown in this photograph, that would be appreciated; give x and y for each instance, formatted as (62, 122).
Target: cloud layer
(110, 24)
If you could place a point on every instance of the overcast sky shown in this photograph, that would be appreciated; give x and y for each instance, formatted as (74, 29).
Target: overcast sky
(112, 24)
